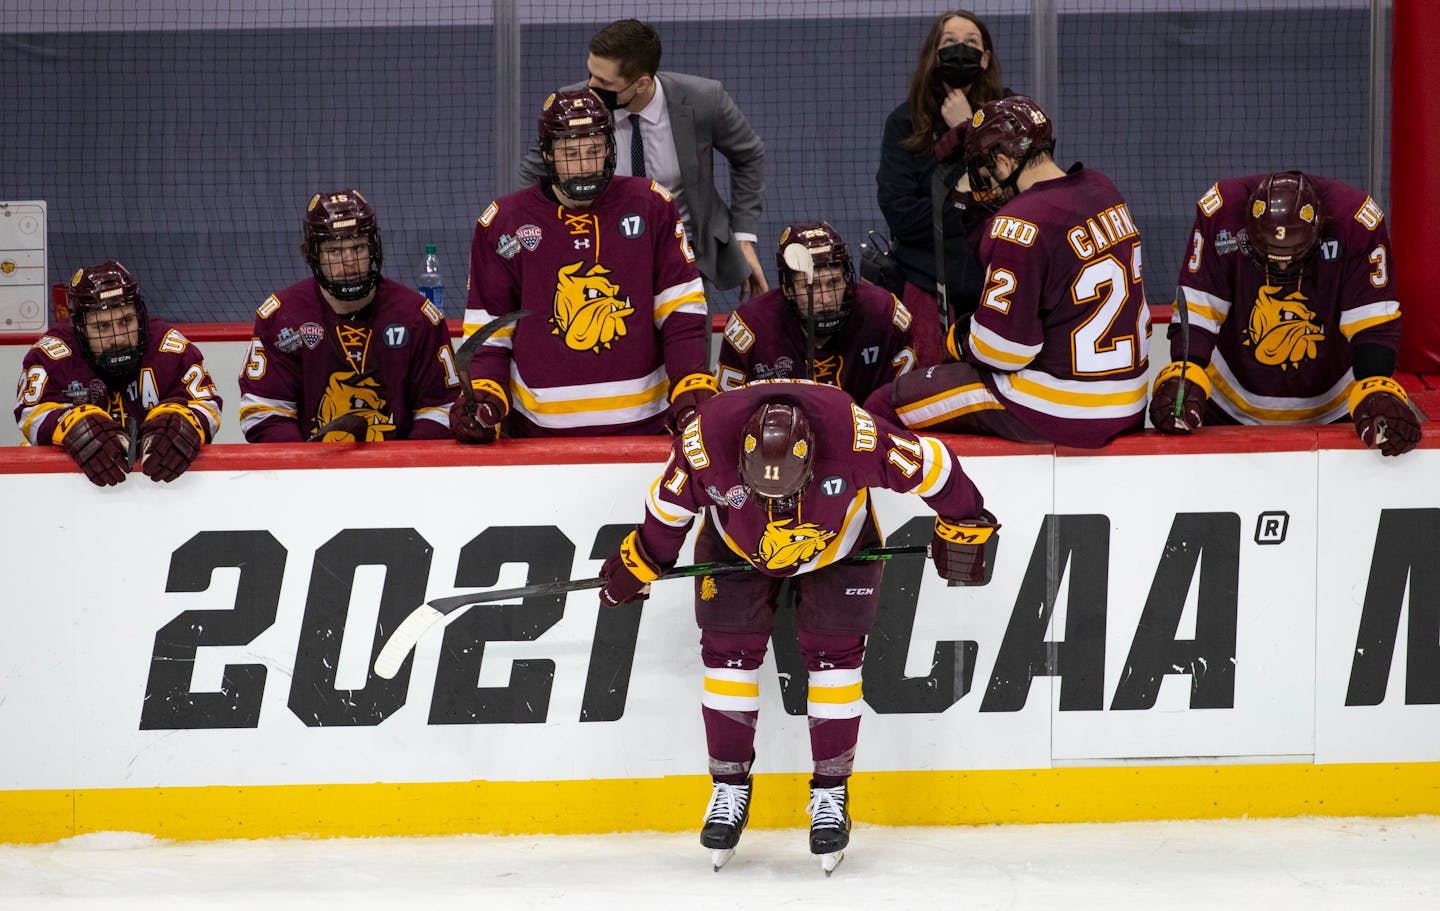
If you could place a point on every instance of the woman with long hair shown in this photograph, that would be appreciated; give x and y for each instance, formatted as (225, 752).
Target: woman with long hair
(958, 71)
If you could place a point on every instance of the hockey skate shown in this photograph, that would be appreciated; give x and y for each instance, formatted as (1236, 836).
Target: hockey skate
(829, 824)
(725, 819)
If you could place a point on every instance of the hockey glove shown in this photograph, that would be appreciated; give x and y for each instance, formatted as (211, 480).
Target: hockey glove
(958, 547)
(96, 442)
(1178, 376)
(477, 419)
(628, 574)
(170, 439)
(687, 395)
(1383, 417)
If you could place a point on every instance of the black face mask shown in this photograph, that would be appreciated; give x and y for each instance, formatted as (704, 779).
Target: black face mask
(959, 65)
(610, 97)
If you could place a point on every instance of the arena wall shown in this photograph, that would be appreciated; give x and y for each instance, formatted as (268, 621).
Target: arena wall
(1242, 624)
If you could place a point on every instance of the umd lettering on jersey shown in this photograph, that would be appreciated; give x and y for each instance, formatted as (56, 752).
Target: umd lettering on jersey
(1015, 230)
(1108, 228)
(694, 447)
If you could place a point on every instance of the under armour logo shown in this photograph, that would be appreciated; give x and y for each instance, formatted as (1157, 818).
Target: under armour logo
(582, 243)
(733, 662)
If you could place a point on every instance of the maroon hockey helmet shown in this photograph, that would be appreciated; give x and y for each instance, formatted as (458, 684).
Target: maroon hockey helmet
(826, 248)
(1016, 127)
(1283, 222)
(576, 115)
(114, 350)
(344, 215)
(777, 453)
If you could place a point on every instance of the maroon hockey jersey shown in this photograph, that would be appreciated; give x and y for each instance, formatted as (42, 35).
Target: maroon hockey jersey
(391, 363)
(1062, 330)
(765, 339)
(55, 376)
(854, 452)
(617, 309)
(1280, 351)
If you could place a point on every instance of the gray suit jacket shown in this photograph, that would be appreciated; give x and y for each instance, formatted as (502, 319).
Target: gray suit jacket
(705, 120)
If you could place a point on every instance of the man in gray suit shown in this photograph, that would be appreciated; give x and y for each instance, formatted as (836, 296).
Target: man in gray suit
(668, 127)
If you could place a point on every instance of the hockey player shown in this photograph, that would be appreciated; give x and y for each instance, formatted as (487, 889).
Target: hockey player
(861, 332)
(616, 340)
(346, 355)
(1292, 318)
(1056, 351)
(782, 470)
(116, 378)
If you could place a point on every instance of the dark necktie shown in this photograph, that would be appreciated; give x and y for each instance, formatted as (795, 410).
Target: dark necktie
(637, 147)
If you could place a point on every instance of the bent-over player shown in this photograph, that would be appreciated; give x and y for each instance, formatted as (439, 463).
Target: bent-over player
(1292, 317)
(782, 471)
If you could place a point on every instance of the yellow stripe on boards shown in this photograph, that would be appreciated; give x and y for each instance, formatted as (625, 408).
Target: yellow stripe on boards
(671, 804)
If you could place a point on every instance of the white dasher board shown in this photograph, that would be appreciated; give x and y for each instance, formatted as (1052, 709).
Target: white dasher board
(24, 292)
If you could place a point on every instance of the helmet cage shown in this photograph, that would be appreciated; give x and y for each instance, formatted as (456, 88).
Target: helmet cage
(95, 289)
(577, 115)
(342, 216)
(826, 248)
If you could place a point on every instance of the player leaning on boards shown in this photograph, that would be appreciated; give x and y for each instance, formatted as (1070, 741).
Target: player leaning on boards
(1291, 315)
(346, 355)
(860, 335)
(616, 344)
(1056, 351)
(782, 471)
(116, 384)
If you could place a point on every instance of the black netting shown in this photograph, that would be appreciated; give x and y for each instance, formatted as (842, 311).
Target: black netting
(186, 139)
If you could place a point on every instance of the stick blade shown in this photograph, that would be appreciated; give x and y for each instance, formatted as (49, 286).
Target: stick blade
(799, 259)
(401, 642)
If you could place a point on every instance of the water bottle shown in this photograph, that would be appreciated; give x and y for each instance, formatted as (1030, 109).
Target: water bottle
(431, 284)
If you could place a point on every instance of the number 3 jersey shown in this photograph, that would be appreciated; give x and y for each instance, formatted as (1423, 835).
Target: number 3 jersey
(391, 363)
(55, 377)
(854, 452)
(1279, 350)
(765, 339)
(617, 310)
(1062, 332)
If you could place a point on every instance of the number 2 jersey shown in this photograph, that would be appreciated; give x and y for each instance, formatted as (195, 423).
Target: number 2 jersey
(391, 363)
(55, 377)
(1279, 352)
(1062, 332)
(617, 310)
(854, 452)
(765, 339)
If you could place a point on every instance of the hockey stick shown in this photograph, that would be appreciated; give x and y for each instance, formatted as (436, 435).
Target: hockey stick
(349, 422)
(465, 354)
(1184, 351)
(799, 259)
(400, 643)
(132, 433)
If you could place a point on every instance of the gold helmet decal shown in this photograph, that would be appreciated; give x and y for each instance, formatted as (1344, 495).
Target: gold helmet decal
(750, 442)
(799, 449)
(590, 311)
(1307, 212)
(548, 101)
(1257, 209)
(75, 279)
(784, 235)
(314, 201)
(978, 119)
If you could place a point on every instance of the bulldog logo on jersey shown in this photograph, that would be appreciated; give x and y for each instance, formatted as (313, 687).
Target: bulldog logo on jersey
(589, 310)
(1282, 330)
(347, 393)
(782, 547)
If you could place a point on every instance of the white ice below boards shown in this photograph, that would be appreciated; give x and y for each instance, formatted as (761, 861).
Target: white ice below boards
(1236, 864)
